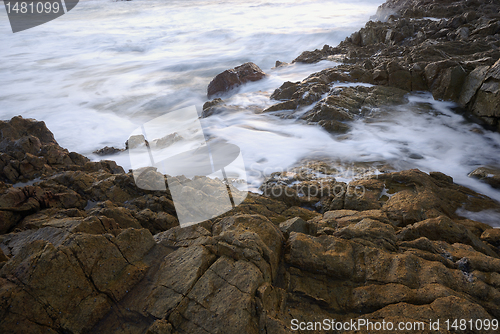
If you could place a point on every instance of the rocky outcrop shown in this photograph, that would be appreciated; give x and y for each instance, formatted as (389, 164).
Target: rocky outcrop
(232, 78)
(86, 251)
(28, 151)
(83, 250)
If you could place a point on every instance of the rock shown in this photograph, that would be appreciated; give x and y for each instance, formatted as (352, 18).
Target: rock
(298, 225)
(167, 140)
(281, 64)
(445, 79)
(286, 91)
(136, 141)
(378, 233)
(309, 57)
(489, 175)
(443, 228)
(334, 126)
(212, 103)
(232, 78)
(492, 236)
(332, 256)
(449, 50)
(488, 96)
(28, 151)
(78, 253)
(107, 150)
(346, 103)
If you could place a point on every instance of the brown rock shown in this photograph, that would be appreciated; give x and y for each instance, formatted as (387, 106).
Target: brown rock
(443, 228)
(232, 78)
(489, 175)
(492, 236)
(298, 225)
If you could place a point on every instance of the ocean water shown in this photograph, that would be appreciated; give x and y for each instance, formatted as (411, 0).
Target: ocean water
(106, 67)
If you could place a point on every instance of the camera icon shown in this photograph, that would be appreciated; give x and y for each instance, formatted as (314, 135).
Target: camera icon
(205, 178)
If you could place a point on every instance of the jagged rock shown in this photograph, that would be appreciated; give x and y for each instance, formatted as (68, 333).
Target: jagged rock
(440, 56)
(232, 78)
(487, 98)
(286, 91)
(445, 79)
(472, 83)
(346, 103)
(167, 140)
(107, 150)
(392, 247)
(443, 228)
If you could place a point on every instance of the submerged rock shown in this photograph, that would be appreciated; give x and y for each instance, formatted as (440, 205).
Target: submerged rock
(107, 150)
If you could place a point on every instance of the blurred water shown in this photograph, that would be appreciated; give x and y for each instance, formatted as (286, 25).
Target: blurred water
(95, 73)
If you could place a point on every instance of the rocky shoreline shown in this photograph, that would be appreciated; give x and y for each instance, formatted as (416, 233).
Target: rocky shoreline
(83, 250)
(450, 48)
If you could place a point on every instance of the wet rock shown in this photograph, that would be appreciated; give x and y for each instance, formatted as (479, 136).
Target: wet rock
(232, 78)
(334, 126)
(489, 175)
(136, 141)
(281, 64)
(440, 56)
(472, 83)
(28, 151)
(309, 57)
(167, 140)
(347, 103)
(107, 150)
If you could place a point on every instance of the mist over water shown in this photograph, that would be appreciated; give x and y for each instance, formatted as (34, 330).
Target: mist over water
(100, 71)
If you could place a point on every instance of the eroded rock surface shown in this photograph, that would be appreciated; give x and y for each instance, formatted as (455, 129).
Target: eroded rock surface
(86, 251)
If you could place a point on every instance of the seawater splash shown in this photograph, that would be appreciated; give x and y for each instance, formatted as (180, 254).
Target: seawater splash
(424, 134)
